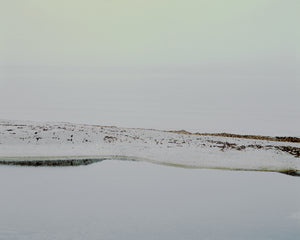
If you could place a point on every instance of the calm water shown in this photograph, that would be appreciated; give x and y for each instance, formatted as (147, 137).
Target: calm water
(135, 200)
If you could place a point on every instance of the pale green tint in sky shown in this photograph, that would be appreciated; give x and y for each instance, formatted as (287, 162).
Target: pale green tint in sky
(150, 33)
(200, 65)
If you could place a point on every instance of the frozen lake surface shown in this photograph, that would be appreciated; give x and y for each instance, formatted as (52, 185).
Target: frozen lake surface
(138, 200)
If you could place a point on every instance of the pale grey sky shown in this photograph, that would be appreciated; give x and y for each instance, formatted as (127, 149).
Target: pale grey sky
(252, 34)
(207, 65)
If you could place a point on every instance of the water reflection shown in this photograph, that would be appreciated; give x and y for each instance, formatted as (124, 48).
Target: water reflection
(136, 200)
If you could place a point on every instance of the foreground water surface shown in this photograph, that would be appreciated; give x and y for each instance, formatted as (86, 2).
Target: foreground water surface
(136, 200)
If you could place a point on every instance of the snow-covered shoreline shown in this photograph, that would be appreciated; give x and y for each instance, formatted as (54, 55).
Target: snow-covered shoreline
(43, 143)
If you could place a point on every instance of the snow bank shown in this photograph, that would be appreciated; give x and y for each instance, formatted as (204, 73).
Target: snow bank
(22, 141)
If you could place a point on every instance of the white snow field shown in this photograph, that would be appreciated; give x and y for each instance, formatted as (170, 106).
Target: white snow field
(37, 143)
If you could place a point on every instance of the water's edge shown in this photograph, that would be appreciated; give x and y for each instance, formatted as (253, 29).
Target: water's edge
(82, 161)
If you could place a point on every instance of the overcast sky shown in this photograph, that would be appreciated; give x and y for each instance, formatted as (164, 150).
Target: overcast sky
(171, 54)
(140, 32)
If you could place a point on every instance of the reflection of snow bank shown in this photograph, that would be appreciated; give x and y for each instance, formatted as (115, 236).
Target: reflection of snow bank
(22, 141)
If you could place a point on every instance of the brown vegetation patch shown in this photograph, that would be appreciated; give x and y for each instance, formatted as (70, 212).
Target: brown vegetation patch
(110, 139)
(255, 137)
(295, 151)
